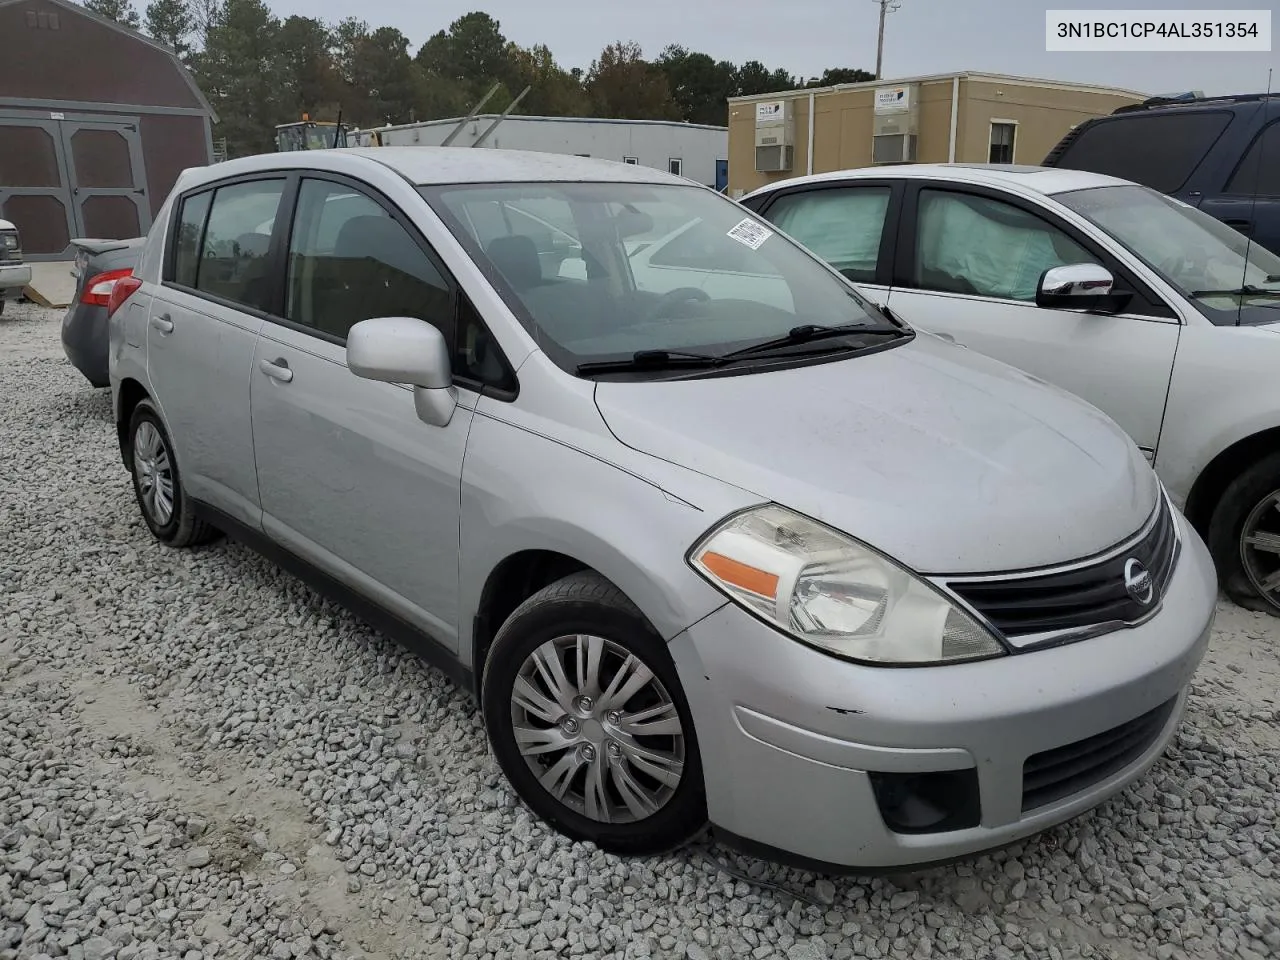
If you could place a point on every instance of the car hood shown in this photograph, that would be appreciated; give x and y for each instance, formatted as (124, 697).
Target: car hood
(944, 459)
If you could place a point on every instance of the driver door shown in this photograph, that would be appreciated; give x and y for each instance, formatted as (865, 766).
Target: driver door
(968, 264)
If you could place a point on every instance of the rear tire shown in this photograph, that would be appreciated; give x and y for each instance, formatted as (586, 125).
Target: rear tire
(587, 719)
(166, 510)
(1244, 537)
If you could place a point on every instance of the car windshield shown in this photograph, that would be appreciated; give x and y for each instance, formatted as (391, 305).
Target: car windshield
(1199, 254)
(602, 271)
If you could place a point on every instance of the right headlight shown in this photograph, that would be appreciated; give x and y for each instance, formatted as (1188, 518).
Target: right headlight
(826, 589)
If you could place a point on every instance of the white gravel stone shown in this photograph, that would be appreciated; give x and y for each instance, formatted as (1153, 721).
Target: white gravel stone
(178, 727)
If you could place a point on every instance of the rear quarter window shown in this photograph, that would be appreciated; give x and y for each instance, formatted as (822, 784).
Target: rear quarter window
(1159, 151)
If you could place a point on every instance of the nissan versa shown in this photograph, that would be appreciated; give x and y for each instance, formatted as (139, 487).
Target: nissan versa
(713, 539)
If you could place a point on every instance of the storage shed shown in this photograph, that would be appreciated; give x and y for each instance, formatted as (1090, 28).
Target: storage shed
(96, 123)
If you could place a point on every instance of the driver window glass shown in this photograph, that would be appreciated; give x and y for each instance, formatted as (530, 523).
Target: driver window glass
(843, 226)
(987, 248)
(349, 260)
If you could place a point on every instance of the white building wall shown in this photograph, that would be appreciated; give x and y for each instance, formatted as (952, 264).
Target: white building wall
(651, 143)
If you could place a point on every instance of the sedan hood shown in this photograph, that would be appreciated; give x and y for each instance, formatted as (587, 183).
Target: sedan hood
(946, 460)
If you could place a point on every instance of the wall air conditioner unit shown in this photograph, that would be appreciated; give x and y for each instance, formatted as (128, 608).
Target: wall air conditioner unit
(895, 124)
(775, 136)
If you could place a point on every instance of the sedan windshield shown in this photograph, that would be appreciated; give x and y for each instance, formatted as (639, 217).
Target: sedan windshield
(1229, 279)
(611, 273)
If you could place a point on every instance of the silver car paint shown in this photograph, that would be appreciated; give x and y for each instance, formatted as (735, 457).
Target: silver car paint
(547, 472)
(786, 733)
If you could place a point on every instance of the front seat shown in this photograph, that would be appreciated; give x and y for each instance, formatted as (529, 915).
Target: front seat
(516, 258)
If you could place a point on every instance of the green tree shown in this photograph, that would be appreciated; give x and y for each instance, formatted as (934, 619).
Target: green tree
(622, 83)
(385, 77)
(121, 11)
(172, 23)
(311, 77)
(460, 64)
(242, 73)
(833, 75)
(554, 91)
(753, 77)
(699, 85)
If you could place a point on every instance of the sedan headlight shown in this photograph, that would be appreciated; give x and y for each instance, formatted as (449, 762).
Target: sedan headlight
(828, 590)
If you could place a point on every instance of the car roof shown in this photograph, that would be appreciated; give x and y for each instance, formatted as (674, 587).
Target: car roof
(1046, 180)
(425, 166)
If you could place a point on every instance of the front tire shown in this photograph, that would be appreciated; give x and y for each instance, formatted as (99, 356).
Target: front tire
(587, 719)
(1244, 537)
(157, 485)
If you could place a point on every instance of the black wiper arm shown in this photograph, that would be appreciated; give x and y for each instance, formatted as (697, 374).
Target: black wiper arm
(652, 360)
(1248, 290)
(809, 332)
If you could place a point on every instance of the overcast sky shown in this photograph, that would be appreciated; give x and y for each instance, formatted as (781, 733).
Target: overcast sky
(805, 36)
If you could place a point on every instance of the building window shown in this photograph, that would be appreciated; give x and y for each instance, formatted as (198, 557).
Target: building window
(631, 160)
(1003, 135)
(675, 165)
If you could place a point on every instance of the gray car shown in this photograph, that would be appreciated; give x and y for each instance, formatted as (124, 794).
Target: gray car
(98, 265)
(14, 274)
(711, 537)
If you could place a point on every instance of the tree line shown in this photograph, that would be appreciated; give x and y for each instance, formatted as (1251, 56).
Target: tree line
(258, 71)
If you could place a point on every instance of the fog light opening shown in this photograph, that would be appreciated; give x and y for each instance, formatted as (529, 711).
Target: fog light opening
(928, 802)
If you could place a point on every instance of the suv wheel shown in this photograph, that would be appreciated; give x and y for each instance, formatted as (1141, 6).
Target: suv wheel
(157, 484)
(587, 719)
(1244, 537)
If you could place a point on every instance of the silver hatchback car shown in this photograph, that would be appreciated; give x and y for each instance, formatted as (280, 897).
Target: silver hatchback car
(712, 538)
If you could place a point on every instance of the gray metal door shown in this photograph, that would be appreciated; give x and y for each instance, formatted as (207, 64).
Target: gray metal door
(70, 175)
(107, 178)
(34, 192)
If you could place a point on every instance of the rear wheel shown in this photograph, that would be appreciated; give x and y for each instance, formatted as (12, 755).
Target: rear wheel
(157, 484)
(587, 719)
(1244, 537)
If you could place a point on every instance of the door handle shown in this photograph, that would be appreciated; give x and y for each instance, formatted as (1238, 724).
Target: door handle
(277, 369)
(1244, 226)
(162, 323)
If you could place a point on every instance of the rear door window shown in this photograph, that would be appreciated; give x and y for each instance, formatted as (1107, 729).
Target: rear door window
(842, 225)
(234, 263)
(186, 256)
(1159, 151)
(1259, 171)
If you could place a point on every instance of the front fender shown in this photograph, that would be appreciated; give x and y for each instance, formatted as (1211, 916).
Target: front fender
(1224, 389)
(523, 491)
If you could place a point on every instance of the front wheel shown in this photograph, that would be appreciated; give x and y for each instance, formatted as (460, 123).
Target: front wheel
(1244, 537)
(587, 719)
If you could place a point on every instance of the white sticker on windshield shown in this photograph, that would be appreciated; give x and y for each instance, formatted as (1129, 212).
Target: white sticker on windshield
(750, 234)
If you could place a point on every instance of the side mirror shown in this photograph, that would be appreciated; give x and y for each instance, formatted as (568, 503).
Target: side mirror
(1076, 286)
(406, 350)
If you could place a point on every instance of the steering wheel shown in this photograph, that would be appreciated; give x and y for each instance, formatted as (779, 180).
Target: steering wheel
(673, 297)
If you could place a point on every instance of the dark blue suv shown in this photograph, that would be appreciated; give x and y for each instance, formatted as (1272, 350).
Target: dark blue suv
(1221, 154)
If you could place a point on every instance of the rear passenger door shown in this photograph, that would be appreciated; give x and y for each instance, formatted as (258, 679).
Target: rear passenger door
(1250, 199)
(203, 328)
(350, 479)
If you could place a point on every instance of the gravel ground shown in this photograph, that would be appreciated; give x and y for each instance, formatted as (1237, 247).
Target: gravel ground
(200, 758)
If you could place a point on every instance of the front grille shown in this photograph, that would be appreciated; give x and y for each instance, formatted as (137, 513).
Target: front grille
(1085, 595)
(1064, 771)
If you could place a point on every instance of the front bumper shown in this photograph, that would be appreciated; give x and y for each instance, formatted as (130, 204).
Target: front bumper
(13, 277)
(789, 737)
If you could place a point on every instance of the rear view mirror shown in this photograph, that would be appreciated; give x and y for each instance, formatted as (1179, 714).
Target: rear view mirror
(1076, 286)
(633, 223)
(406, 350)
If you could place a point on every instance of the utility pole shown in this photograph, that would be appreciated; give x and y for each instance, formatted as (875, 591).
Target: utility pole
(886, 7)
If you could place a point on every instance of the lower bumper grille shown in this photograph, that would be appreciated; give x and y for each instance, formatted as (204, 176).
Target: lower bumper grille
(1054, 774)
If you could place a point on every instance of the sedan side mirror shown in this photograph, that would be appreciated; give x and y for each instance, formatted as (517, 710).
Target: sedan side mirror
(405, 350)
(1076, 286)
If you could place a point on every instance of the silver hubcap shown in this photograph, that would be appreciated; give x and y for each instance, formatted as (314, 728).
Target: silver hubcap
(1260, 548)
(154, 471)
(598, 729)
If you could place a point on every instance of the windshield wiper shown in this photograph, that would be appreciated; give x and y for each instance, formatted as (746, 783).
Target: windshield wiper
(652, 360)
(1248, 290)
(807, 333)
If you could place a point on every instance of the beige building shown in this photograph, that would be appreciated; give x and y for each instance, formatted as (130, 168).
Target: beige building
(960, 117)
